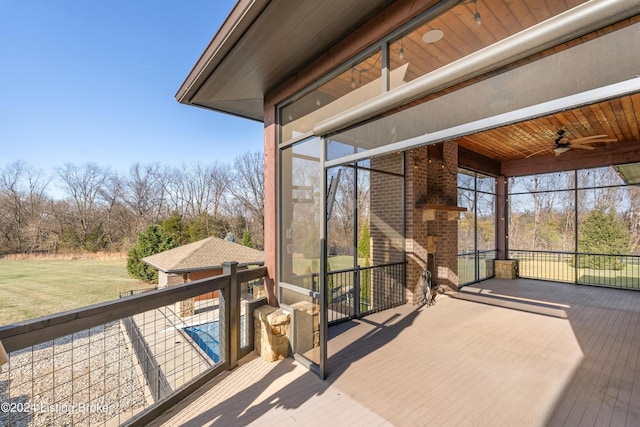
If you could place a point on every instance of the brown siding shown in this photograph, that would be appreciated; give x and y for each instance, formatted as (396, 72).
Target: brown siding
(270, 202)
(203, 274)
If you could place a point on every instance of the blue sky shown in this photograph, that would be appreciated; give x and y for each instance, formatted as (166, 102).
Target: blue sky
(94, 81)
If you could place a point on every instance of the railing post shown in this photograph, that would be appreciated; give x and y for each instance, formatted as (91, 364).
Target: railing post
(356, 291)
(233, 314)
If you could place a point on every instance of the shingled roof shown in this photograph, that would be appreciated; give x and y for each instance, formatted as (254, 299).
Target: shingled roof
(202, 255)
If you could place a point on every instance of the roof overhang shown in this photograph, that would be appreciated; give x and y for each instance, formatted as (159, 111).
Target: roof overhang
(201, 268)
(263, 43)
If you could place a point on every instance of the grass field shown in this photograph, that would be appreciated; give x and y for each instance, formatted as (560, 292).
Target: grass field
(627, 277)
(547, 267)
(37, 287)
(340, 262)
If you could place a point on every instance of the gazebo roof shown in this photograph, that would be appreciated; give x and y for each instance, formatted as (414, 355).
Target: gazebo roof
(204, 254)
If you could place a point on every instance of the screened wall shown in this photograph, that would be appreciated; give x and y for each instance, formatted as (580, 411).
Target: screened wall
(365, 237)
(341, 239)
(301, 207)
(343, 139)
(579, 226)
(476, 227)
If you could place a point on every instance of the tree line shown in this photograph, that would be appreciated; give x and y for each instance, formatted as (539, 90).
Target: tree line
(90, 207)
(544, 208)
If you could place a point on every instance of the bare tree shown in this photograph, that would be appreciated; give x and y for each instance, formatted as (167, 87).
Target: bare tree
(23, 201)
(37, 203)
(174, 190)
(13, 203)
(84, 185)
(248, 189)
(204, 186)
(543, 190)
(221, 181)
(100, 209)
(144, 194)
(114, 215)
(343, 212)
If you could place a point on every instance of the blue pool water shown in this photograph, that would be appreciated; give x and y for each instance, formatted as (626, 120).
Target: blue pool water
(207, 337)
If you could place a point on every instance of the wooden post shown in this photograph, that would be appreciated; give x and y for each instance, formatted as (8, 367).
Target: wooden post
(502, 235)
(232, 313)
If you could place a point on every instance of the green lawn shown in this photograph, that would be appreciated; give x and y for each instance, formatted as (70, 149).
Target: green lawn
(626, 277)
(466, 269)
(341, 262)
(37, 287)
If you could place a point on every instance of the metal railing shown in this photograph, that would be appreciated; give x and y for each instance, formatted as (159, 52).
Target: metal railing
(617, 271)
(156, 380)
(358, 291)
(475, 266)
(311, 282)
(126, 361)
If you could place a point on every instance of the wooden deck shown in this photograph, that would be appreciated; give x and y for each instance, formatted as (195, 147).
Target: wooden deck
(505, 353)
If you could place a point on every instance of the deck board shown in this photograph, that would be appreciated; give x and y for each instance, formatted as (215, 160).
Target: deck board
(515, 352)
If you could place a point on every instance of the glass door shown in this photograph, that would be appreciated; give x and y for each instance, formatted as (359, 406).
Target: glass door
(301, 272)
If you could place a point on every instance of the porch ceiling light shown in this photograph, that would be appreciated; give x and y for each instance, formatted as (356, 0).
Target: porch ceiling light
(432, 36)
(477, 18)
(476, 15)
(417, 159)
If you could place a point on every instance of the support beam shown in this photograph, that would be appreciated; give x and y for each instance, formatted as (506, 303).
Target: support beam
(270, 203)
(620, 153)
(477, 162)
(502, 210)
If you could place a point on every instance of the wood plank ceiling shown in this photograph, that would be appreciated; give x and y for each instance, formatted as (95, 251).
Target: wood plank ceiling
(525, 142)
(617, 118)
(461, 35)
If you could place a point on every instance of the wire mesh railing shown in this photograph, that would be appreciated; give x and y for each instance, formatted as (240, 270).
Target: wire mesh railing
(125, 361)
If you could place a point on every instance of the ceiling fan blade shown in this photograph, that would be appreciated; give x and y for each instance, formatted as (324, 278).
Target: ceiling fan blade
(588, 138)
(591, 141)
(537, 152)
(583, 147)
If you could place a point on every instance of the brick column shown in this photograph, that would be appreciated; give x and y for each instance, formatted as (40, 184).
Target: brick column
(416, 228)
(442, 189)
(431, 178)
(386, 222)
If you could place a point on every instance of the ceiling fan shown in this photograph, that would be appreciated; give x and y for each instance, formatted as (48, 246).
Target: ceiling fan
(563, 144)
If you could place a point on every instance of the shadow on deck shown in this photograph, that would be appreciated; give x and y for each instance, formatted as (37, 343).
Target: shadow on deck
(516, 352)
